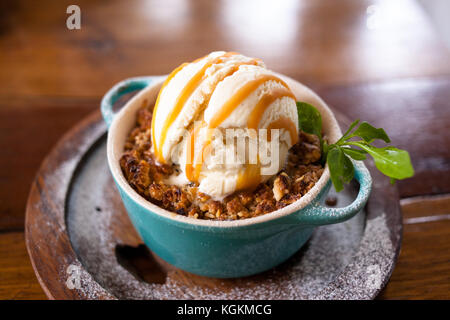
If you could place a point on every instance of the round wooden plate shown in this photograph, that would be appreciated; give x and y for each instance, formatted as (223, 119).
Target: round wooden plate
(83, 246)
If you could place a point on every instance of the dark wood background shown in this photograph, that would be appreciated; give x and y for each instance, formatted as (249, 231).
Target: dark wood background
(381, 61)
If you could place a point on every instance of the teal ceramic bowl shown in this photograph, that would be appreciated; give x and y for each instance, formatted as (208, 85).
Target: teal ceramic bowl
(223, 249)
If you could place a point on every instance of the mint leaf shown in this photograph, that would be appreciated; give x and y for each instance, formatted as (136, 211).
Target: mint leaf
(393, 162)
(309, 119)
(352, 125)
(341, 168)
(355, 153)
(335, 161)
(369, 133)
(349, 170)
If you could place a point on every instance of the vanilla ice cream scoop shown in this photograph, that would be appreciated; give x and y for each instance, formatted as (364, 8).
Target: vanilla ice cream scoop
(226, 120)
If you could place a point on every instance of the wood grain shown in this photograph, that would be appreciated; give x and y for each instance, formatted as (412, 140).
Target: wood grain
(17, 278)
(423, 269)
(431, 206)
(324, 41)
(28, 130)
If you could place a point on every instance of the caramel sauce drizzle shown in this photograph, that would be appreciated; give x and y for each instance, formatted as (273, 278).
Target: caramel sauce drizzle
(166, 82)
(264, 102)
(232, 104)
(240, 96)
(250, 176)
(194, 161)
(185, 94)
(283, 123)
(192, 174)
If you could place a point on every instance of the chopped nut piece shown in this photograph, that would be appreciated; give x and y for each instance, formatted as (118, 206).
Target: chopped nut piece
(156, 191)
(281, 186)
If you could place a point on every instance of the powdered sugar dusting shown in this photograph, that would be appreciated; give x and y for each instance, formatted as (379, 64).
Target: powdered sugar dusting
(375, 257)
(316, 271)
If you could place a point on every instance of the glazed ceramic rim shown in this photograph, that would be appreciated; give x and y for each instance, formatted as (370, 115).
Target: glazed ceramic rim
(117, 134)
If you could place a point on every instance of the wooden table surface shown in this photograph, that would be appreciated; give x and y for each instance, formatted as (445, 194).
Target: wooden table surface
(381, 61)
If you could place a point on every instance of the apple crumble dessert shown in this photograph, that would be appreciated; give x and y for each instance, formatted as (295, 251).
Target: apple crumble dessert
(222, 142)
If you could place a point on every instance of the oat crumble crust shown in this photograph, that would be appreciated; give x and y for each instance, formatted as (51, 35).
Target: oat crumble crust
(145, 175)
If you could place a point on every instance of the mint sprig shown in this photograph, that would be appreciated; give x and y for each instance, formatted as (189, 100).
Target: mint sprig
(356, 144)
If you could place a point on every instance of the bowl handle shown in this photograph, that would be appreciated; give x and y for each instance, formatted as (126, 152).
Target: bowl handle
(121, 88)
(317, 214)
